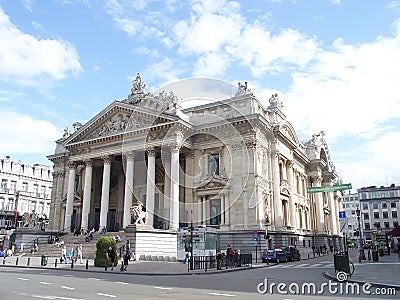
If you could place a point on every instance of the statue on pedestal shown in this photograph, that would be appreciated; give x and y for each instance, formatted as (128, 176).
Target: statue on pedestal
(138, 214)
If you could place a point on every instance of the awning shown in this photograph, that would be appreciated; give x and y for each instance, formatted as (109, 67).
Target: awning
(394, 232)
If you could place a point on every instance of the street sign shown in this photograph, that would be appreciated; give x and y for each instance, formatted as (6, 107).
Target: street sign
(329, 188)
(255, 235)
(342, 214)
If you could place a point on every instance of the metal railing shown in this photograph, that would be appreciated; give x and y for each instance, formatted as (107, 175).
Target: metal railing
(219, 261)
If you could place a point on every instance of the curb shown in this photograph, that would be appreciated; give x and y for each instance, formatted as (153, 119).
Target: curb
(374, 284)
(101, 270)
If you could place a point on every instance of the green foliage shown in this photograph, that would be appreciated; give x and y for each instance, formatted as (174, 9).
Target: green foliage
(102, 246)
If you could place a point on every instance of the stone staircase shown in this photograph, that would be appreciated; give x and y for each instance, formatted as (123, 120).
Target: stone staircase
(71, 241)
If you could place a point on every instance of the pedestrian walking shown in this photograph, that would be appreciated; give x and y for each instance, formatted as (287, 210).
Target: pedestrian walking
(79, 253)
(125, 261)
(229, 256)
(110, 256)
(71, 255)
(64, 254)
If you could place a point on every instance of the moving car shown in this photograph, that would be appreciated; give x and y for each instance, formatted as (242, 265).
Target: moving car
(292, 253)
(274, 255)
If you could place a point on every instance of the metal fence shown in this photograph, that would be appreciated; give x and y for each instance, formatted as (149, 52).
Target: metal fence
(219, 262)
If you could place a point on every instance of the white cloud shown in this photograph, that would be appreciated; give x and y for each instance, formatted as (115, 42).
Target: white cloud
(378, 165)
(26, 135)
(24, 58)
(351, 89)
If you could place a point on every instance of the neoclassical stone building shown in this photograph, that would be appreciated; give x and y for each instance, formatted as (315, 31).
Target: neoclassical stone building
(235, 164)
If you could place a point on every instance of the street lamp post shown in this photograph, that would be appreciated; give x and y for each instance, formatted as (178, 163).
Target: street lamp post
(360, 250)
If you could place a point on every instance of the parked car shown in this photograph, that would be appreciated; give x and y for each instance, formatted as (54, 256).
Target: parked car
(292, 253)
(274, 255)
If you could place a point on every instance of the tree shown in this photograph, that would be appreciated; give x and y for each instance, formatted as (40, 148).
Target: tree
(101, 249)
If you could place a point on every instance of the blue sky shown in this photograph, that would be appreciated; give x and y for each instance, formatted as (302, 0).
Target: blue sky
(334, 63)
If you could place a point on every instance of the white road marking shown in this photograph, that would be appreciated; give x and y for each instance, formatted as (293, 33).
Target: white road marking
(120, 282)
(44, 282)
(94, 278)
(162, 288)
(23, 278)
(67, 276)
(67, 287)
(106, 295)
(226, 295)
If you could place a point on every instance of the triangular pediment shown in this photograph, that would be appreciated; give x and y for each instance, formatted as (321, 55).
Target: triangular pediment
(213, 182)
(119, 118)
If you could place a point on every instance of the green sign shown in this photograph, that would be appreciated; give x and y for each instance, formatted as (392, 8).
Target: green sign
(320, 189)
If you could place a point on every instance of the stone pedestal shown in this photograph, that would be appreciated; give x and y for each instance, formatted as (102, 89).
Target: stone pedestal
(152, 244)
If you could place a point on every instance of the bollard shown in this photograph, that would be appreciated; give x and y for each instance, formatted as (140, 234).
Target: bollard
(87, 264)
(72, 264)
(4, 261)
(28, 262)
(16, 261)
(55, 263)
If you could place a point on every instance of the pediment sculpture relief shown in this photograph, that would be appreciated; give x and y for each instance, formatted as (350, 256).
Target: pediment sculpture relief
(121, 123)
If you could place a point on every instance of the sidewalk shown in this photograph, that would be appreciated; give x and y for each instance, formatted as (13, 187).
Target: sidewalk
(383, 273)
(160, 268)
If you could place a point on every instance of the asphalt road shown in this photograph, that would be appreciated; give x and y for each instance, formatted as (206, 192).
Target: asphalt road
(22, 283)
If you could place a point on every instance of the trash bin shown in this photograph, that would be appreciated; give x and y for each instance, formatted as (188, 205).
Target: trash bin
(341, 262)
(43, 261)
(375, 255)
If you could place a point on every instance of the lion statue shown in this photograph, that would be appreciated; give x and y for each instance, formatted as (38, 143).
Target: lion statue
(138, 214)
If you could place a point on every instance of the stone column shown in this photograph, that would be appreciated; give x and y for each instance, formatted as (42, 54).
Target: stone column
(203, 206)
(199, 210)
(87, 191)
(292, 183)
(278, 211)
(70, 195)
(105, 191)
(151, 185)
(319, 206)
(130, 166)
(174, 205)
(167, 186)
(222, 209)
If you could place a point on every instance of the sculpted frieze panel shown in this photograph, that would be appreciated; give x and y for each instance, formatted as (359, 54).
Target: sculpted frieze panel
(119, 124)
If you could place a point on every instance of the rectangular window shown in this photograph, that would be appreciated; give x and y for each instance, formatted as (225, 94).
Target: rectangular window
(386, 224)
(376, 215)
(392, 194)
(384, 205)
(385, 215)
(24, 186)
(393, 204)
(367, 226)
(383, 194)
(10, 204)
(365, 205)
(394, 214)
(395, 224)
(366, 216)
(375, 205)
(377, 225)
(4, 183)
(13, 186)
(215, 212)
(213, 164)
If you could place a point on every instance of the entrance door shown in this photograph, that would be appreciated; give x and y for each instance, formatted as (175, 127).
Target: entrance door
(96, 219)
(112, 220)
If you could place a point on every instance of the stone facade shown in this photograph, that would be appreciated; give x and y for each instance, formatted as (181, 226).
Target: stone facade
(235, 164)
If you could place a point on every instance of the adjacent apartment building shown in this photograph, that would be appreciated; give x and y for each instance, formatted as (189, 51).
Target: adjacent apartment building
(351, 206)
(380, 209)
(24, 188)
